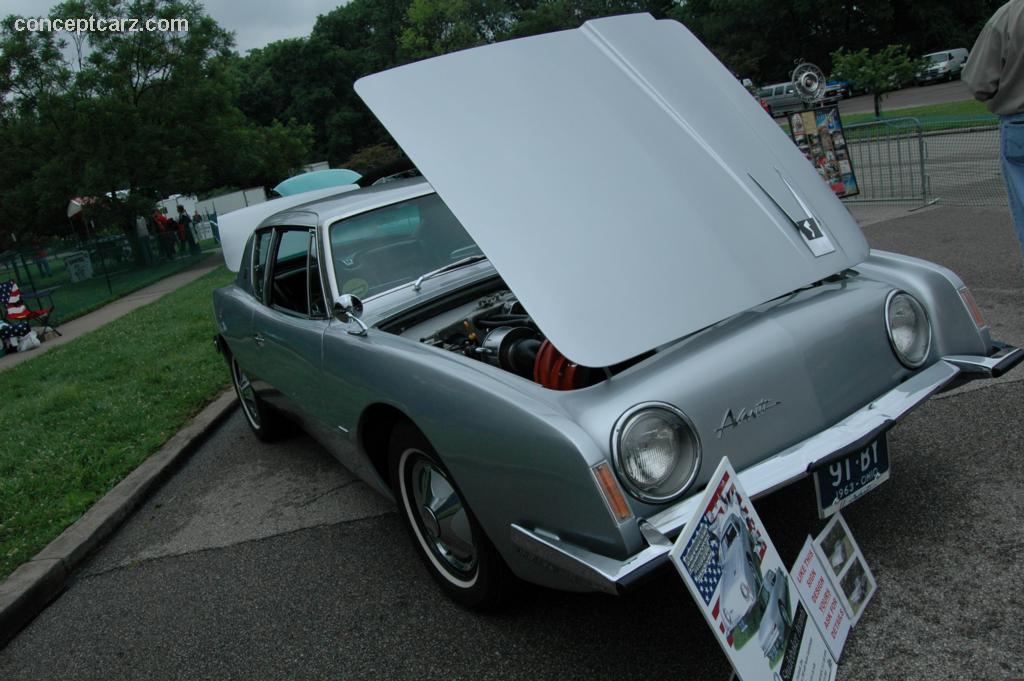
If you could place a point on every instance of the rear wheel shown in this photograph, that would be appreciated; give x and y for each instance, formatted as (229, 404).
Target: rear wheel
(265, 423)
(444, 531)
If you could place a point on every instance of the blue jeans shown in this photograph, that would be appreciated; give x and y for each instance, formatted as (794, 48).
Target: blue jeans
(1011, 134)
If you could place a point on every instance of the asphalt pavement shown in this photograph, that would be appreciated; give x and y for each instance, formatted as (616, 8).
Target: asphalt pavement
(908, 97)
(271, 561)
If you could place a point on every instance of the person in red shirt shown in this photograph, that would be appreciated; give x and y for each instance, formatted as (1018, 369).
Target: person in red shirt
(167, 236)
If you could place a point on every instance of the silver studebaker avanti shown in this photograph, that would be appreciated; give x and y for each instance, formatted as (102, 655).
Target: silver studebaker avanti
(620, 271)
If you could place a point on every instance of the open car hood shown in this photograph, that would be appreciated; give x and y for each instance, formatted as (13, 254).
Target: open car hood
(622, 182)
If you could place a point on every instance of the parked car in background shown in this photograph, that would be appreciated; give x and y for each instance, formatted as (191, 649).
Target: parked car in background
(842, 88)
(942, 66)
(543, 362)
(782, 98)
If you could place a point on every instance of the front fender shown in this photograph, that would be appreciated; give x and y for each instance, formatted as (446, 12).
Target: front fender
(938, 288)
(516, 454)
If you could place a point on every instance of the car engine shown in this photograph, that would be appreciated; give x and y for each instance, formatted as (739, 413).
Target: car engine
(496, 329)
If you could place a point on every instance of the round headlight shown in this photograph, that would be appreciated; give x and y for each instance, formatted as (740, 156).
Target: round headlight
(656, 451)
(910, 333)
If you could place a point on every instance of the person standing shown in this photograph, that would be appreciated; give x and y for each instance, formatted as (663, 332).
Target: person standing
(42, 259)
(142, 232)
(995, 75)
(182, 229)
(185, 230)
(166, 231)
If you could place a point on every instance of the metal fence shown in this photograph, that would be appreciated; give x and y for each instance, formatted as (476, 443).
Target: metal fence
(83, 274)
(888, 158)
(963, 162)
(924, 161)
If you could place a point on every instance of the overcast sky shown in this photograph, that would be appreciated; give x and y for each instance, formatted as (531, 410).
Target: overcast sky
(255, 23)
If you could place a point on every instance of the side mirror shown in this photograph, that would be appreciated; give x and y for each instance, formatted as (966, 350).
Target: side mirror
(348, 308)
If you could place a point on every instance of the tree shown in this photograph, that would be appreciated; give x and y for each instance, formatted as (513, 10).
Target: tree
(877, 72)
(129, 118)
(310, 79)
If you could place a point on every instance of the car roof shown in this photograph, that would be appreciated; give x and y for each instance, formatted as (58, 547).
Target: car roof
(327, 210)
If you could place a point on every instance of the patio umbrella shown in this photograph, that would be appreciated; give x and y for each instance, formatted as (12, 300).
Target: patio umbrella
(318, 179)
(76, 204)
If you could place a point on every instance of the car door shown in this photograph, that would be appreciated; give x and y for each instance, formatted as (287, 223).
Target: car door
(236, 316)
(288, 327)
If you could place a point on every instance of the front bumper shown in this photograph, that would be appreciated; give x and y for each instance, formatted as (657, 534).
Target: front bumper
(856, 431)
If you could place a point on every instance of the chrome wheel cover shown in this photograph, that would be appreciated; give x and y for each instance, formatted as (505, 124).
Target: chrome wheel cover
(439, 518)
(246, 394)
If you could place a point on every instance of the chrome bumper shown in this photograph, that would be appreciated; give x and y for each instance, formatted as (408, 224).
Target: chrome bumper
(856, 431)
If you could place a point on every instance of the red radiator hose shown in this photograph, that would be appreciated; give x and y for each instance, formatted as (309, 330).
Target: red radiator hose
(553, 370)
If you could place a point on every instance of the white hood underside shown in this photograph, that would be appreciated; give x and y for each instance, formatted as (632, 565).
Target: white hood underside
(622, 182)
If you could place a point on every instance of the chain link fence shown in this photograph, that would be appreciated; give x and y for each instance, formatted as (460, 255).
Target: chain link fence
(85, 274)
(951, 161)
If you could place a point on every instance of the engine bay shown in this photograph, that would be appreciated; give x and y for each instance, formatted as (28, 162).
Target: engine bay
(495, 328)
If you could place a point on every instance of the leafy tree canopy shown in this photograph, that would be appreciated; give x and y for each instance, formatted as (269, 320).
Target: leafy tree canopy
(149, 112)
(876, 72)
(158, 113)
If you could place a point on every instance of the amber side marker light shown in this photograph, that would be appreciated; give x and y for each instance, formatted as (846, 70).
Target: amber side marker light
(972, 307)
(612, 492)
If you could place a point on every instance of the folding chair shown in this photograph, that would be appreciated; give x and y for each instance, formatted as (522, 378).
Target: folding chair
(41, 315)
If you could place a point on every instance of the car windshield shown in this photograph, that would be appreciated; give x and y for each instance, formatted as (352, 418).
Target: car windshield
(730, 534)
(937, 58)
(388, 247)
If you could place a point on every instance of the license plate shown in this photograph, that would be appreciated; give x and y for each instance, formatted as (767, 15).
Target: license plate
(843, 481)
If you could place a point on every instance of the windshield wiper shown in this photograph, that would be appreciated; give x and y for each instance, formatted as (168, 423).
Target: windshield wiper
(447, 268)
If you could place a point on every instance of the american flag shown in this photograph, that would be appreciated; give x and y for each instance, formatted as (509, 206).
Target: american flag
(9, 331)
(707, 582)
(10, 295)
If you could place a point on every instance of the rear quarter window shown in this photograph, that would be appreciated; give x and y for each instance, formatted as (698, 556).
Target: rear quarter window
(243, 280)
(261, 251)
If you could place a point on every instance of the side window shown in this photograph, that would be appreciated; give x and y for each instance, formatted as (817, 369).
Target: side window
(260, 252)
(288, 279)
(317, 304)
(244, 277)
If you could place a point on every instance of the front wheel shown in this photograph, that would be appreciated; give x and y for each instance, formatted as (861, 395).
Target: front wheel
(444, 531)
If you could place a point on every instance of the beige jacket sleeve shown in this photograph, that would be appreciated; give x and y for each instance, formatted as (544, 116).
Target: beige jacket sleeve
(981, 75)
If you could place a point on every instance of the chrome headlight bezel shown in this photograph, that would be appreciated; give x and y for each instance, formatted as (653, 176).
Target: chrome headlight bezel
(922, 312)
(621, 428)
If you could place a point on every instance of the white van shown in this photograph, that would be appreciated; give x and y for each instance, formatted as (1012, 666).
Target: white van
(945, 65)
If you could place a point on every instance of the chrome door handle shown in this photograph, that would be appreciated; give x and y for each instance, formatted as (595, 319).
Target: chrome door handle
(259, 339)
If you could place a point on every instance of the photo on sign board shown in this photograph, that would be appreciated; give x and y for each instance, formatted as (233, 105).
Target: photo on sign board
(849, 571)
(797, 123)
(819, 135)
(743, 589)
(837, 547)
(858, 586)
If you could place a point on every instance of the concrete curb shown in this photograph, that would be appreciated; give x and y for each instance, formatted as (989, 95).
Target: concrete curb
(30, 588)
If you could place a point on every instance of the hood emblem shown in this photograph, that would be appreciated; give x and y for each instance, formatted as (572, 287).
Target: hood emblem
(736, 419)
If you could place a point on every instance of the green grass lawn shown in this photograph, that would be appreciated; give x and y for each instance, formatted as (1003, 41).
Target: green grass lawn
(79, 418)
(968, 108)
(933, 118)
